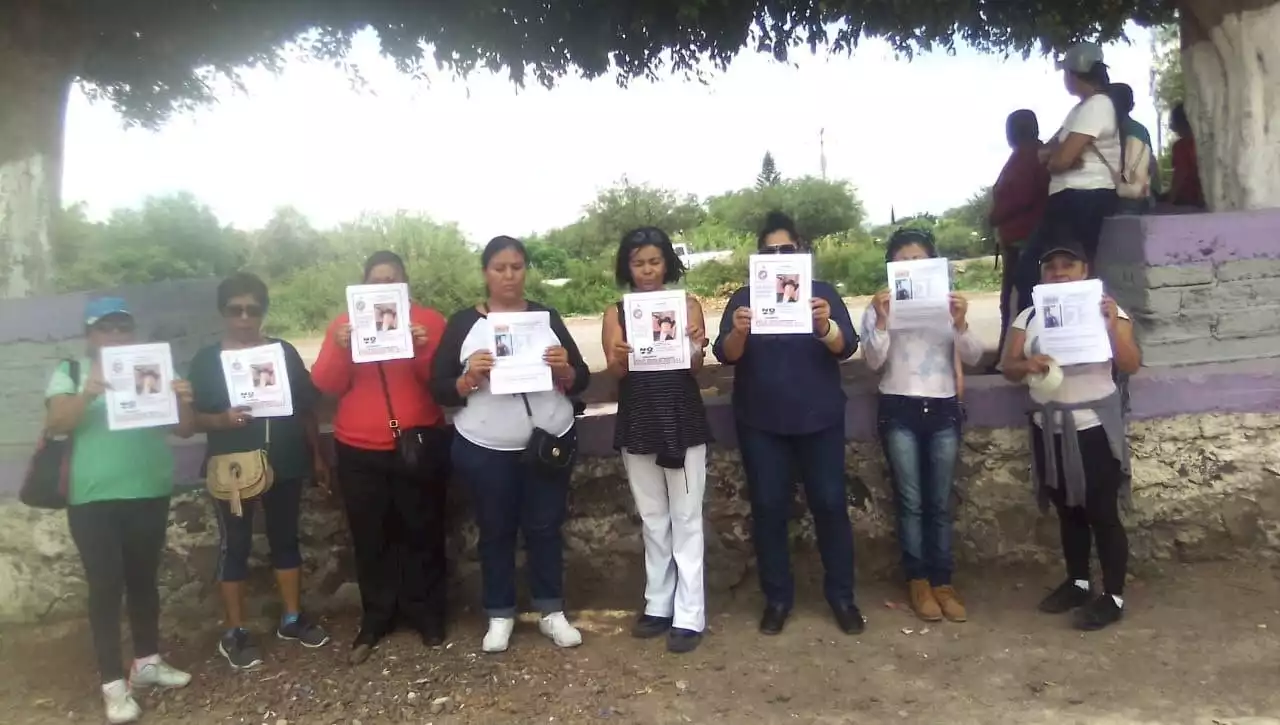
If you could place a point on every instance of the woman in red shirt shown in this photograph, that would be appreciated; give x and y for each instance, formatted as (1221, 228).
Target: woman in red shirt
(392, 465)
(1185, 189)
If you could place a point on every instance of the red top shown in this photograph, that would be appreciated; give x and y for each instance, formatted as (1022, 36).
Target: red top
(362, 418)
(1020, 195)
(1186, 174)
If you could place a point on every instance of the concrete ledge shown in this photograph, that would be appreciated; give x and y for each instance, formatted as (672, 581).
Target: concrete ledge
(1239, 387)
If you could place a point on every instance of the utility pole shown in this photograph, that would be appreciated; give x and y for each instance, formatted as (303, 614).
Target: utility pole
(822, 152)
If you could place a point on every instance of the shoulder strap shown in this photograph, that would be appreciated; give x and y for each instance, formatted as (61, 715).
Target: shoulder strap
(73, 370)
(622, 321)
(392, 423)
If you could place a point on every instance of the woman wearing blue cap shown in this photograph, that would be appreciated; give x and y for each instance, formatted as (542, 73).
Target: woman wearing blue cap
(120, 484)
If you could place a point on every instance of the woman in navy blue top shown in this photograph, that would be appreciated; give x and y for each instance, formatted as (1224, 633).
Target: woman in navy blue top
(789, 408)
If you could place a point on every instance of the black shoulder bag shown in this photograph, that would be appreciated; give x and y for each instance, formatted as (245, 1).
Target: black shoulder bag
(414, 445)
(48, 479)
(545, 452)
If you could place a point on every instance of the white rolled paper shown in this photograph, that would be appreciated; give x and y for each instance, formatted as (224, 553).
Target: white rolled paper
(1047, 382)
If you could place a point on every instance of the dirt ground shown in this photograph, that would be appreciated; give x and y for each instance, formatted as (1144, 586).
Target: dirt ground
(1199, 646)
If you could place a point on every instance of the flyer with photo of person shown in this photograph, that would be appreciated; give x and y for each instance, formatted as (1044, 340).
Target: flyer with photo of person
(781, 288)
(657, 330)
(379, 315)
(1073, 330)
(139, 382)
(920, 292)
(258, 378)
(520, 339)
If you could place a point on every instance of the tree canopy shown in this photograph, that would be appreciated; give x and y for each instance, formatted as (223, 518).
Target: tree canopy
(152, 57)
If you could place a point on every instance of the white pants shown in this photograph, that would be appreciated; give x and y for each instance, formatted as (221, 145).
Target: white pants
(670, 505)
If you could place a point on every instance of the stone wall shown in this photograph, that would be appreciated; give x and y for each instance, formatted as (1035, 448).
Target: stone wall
(1205, 487)
(1201, 287)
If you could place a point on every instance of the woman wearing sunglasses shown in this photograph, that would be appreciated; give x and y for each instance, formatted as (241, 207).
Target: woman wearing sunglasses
(919, 424)
(293, 451)
(789, 409)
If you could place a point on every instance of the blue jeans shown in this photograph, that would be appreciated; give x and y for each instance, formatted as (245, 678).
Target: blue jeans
(509, 496)
(921, 440)
(770, 461)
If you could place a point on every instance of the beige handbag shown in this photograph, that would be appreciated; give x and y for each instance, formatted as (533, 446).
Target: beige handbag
(238, 477)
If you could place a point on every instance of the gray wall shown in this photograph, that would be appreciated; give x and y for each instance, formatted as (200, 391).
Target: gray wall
(1200, 287)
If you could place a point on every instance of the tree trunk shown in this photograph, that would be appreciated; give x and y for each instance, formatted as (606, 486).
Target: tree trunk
(34, 88)
(1231, 67)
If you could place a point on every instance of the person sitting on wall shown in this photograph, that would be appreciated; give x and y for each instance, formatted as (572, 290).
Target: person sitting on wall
(1079, 442)
(1185, 189)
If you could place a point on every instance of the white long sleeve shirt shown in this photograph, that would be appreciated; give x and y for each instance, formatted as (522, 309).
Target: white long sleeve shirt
(917, 363)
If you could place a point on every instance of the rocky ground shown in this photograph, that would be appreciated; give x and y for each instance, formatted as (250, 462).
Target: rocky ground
(1199, 646)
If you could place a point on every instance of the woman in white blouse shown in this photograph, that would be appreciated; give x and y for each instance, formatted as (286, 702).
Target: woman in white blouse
(919, 424)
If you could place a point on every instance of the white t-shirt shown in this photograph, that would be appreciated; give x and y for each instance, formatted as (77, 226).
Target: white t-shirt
(500, 422)
(1094, 117)
(916, 363)
(1080, 383)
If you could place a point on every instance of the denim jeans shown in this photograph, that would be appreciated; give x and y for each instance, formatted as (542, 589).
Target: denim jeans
(921, 440)
(770, 461)
(509, 496)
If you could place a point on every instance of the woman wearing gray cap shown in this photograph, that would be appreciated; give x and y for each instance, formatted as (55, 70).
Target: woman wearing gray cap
(1083, 158)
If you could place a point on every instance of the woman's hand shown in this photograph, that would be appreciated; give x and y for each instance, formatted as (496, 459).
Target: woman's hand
(959, 311)
(821, 316)
(1110, 312)
(237, 417)
(697, 335)
(880, 303)
(95, 385)
(558, 358)
(1038, 364)
(620, 352)
(419, 335)
(342, 336)
(478, 367)
(182, 389)
(320, 474)
(742, 320)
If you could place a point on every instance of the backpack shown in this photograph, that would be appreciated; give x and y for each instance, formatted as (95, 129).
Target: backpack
(47, 484)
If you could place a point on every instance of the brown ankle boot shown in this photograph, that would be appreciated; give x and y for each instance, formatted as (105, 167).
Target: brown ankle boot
(949, 601)
(922, 601)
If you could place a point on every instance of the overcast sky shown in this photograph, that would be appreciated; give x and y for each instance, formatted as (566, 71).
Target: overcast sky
(917, 136)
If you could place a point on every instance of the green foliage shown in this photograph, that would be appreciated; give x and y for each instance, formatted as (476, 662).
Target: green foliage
(819, 207)
(1169, 85)
(152, 57)
(769, 175)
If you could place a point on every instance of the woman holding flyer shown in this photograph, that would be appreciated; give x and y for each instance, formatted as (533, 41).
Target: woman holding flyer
(789, 407)
(1079, 440)
(118, 513)
(291, 440)
(919, 424)
(661, 430)
(514, 449)
(393, 469)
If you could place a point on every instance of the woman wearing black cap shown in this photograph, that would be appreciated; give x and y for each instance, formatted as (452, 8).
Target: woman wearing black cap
(1078, 441)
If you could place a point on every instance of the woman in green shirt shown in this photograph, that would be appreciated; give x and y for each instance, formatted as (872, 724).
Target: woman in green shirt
(120, 484)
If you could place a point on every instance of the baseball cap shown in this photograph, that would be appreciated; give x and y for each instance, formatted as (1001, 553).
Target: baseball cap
(1081, 57)
(1069, 247)
(97, 309)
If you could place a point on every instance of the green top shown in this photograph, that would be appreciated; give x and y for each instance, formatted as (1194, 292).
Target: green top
(289, 451)
(107, 464)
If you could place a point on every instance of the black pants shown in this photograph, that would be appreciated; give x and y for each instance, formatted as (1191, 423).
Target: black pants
(1082, 211)
(1009, 255)
(120, 544)
(397, 522)
(1099, 518)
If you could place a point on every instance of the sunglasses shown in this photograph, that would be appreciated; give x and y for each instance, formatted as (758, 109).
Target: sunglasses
(252, 312)
(780, 249)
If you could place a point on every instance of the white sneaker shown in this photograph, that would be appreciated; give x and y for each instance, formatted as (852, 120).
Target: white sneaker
(499, 634)
(155, 672)
(556, 627)
(119, 703)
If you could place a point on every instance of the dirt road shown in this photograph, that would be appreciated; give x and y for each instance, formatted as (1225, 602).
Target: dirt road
(1201, 646)
(984, 319)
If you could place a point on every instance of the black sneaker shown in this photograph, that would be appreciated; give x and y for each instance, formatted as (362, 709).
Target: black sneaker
(1066, 597)
(682, 641)
(239, 650)
(303, 630)
(648, 626)
(1099, 614)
